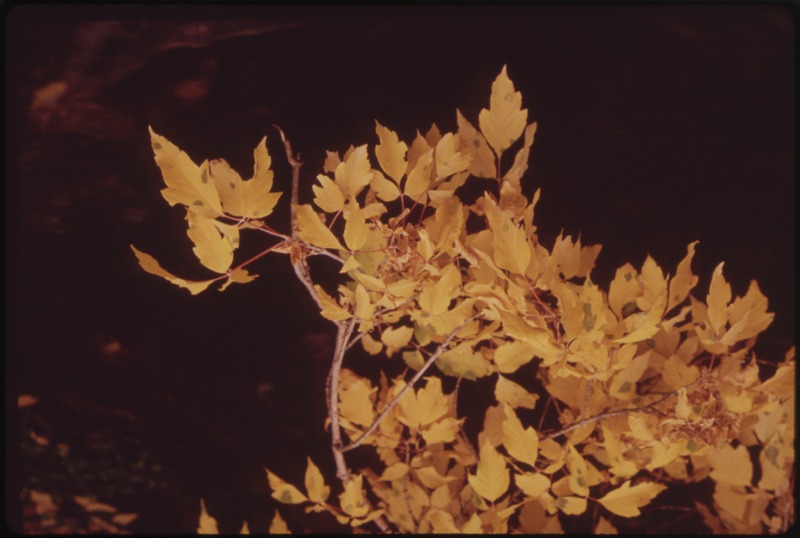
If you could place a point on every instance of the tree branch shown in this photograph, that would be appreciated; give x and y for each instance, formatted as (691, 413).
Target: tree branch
(375, 423)
(617, 412)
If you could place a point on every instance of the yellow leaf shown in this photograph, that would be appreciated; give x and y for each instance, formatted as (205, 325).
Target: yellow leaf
(683, 281)
(432, 404)
(207, 524)
(327, 195)
(278, 525)
(719, 295)
(503, 123)
(654, 285)
(471, 141)
(385, 189)
(352, 499)
(625, 501)
(442, 522)
(364, 308)
(391, 153)
(623, 384)
(315, 484)
(435, 297)
(394, 472)
(578, 473)
(508, 392)
(644, 325)
(511, 250)
(443, 431)
(186, 183)
(491, 479)
(615, 451)
(330, 308)
(396, 337)
(521, 443)
(150, 265)
(419, 178)
(211, 247)
(355, 403)
(239, 275)
(604, 527)
(748, 315)
(520, 166)
(311, 229)
(731, 465)
(534, 485)
(573, 506)
(639, 428)
(284, 492)
(623, 291)
(463, 361)
(354, 173)
(431, 478)
(355, 227)
(682, 407)
(510, 356)
(251, 198)
(664, 454)
(449, 160)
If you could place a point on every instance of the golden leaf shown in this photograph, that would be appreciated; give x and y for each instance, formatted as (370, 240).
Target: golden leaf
(238, 275)
(623, 291)
(513, 394)
(604, 527)
(311, 229)
(491, 479)
(510, 356)
(520, 166)
(150, 265)
(748, 316)
(731, 465)
(578, 473)
(449, 160)
(419, 178)
(521, 444)
(352, 499)
(442, 522)
(278, 525)
(354, 173)
(654, 286)
(442, 431)
(315, 484)
(615, 451)
(435, 297)
(471, 141)
(212, 247)
(683, 281)
(251, 198)
(284, 492)
(719, 295)
(573, 506)
(330, 308)
(625, 501)
(503, 123)
(511, 250)
(534, 485)
(432, 404)
(394, 472)
(463, 361)
(355, 227)
(355, 403)
(327, 195)
(187, 183)
(206, 524)
(396, 337)
(391, 153)
(385, 189)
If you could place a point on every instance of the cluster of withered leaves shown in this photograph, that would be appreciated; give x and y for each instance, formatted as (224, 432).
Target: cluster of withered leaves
(651, 384)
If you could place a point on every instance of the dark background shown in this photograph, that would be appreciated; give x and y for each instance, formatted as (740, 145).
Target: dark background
(658, 125)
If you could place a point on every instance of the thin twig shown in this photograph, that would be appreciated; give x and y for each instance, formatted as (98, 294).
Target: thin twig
(435, 355)
(342, 336)
(614, 413)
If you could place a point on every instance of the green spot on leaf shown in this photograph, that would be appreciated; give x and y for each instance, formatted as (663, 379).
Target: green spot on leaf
(628, 277)
(628, 309)
(588, 317)
(477, 142)
(771, 452)
(692, 445)
(156, 145)
(286, 497)
(232, 185)
(198, 203)
(204, 176)
(626, 387)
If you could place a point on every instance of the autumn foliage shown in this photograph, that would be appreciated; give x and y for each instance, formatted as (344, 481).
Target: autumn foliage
(637, 386)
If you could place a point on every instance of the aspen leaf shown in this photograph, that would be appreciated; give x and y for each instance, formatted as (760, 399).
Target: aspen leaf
(471, 141)
(442, 431)
(315, 484)
(510, 356)
(449, 160)
(573, 506)
(385, 189)
(578, 473)
(327, 195)
(284, 492)
(513, 394)
(625, 501)
(719, 295)
(391, 153)
(354, 173)
(731, 465)
(352, 499)
(187, 183)
(311, 229)
(211, 247)
(521, 444)
(419, 178)
(355, 227)
(206, 524)
(330, 308)
(491, 479)
(534, 485)
(355, 403)
(278, 525)
(503, 123)
(683, 281)
(150, 265)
